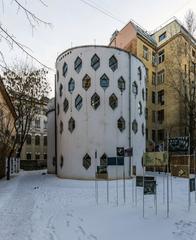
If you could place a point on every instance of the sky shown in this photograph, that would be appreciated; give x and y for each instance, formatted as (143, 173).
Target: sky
(77, 23)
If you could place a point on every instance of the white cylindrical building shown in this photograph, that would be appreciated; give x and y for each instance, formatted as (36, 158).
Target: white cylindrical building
(100, 105)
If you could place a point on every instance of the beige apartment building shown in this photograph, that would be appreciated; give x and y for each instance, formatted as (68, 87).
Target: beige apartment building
(7, 127)
(34, 151)
(169, 56)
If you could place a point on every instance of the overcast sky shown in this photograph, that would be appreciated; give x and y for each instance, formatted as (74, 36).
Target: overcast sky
(76, 23)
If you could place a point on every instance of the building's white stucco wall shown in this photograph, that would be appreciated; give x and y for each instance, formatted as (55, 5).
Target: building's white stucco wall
(51, 137)
(96, 130)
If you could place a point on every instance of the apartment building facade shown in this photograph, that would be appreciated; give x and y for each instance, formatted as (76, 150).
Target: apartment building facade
(7, 127)
(35, 146)
(166, 54)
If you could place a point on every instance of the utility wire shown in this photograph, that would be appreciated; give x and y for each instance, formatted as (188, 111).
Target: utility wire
(102, 10)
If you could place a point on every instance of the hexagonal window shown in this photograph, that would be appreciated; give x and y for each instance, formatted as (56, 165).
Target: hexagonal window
(121, 124)
(71, 85)
(104, 160)
(95, 101)
(61, 127)
(61, 161)
(86, 161)
(71, 124)
(134, 88)
(95, 62)
(140, 108)
(65, 105)
(134, 126)
(121, 84)
(78, 64)
(65, 69)
(78, 102)
(139, 73)
(143, 129)
(104, 81)
(113, 63)
(57, 75)
(113, 101)
(86, 82)
(61, 90)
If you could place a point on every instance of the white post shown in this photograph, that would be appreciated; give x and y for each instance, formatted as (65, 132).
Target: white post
(189, 161)
(167, 175)
(96, 183)
(124, 187)
(143, 188)
(116, 181)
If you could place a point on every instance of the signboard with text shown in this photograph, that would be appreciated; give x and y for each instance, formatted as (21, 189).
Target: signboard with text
(192, 184)
(113, 161)
(180, 171)
(149, 187)
(179, 144)
(155, 158)
(139, 180)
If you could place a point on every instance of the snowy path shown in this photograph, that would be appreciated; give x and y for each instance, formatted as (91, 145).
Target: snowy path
(42, 207)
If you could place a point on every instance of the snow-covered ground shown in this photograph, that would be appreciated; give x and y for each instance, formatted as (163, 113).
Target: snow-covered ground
(43, 207)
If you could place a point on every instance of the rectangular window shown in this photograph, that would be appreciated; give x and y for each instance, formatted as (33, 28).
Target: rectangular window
(153, 58)
(147, 74)
(153, 97)
(37, 123)
(146, 113)
(45, 140)
(160, 116)
(160, 77)
(161, 135)
(45, 156)
(193, 53)
(28, 156)
(145, 52)
(45, 124)
(146, 133)
(161, 55)
(153, 78)
(37, 156)
(153, 135)
(37, 140)
(146, 94)
(162, 36)
(193, 67)
(185, 70)
(153, 116)
(28, 139)
(161, 97)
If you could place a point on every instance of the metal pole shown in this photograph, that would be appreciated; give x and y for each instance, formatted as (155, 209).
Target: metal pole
(108, 199)
(195, 173)
(124, 187)
(164, 177)
(116, 182)
(133, 189)
(96, 183)
(167, 176)
(171, 182)
(156, 198)
(143, 190)
(189, 160)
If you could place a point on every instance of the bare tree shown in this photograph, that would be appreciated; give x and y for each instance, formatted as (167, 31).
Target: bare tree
(27, 87)
(11, 40)
(180, 68)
